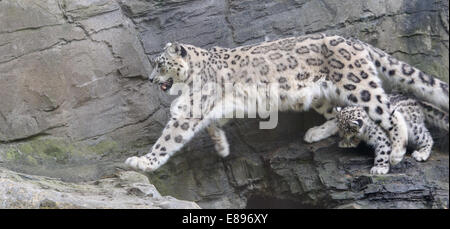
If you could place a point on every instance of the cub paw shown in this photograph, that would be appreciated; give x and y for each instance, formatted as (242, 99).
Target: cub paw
(379, 170)
(345, 143)
(420, 156)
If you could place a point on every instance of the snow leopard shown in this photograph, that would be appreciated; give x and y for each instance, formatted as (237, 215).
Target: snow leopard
(354, 125)
(315, 71)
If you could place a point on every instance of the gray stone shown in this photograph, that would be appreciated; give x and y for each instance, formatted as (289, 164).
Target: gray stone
(122, 190)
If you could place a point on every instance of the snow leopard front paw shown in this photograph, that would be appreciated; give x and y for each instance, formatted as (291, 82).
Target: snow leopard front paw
(141, 163)
(420, 156)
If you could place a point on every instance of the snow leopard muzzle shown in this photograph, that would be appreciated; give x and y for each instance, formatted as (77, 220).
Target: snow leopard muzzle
(166, 85)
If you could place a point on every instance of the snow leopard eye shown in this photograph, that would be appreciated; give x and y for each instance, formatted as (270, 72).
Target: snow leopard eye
(161, 68)
(356, 124)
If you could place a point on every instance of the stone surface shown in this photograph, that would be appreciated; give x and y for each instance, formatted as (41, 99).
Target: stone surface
(75, 101)
(121, 190)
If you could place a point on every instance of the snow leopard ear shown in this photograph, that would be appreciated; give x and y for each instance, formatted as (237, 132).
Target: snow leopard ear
(180, 50)
(338, 109)
(176, 49)
(170, 48)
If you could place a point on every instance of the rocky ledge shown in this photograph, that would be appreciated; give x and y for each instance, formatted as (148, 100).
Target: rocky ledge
(124, 189)
(292, 174)
(287, 175)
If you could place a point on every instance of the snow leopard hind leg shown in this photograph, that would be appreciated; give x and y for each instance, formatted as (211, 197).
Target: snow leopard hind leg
(219, 138)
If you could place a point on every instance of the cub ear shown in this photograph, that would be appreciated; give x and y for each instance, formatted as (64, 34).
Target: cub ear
(338, 109)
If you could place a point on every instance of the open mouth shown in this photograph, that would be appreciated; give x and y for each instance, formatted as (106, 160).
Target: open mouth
(166, 85)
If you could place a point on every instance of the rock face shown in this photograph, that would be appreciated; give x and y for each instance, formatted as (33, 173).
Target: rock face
(75, 101)
(74, 71)
(121, 190)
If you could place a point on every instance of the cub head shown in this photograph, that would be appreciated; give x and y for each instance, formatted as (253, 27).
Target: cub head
(170, 67)
(350, 120)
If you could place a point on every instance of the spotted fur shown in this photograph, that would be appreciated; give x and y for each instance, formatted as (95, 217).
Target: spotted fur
(354, 125)
(309, 70)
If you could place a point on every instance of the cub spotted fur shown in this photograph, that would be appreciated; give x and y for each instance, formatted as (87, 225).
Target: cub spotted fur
(355, 125)
(317, 71)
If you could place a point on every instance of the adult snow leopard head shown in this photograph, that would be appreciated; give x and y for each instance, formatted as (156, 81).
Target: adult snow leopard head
(170, 67)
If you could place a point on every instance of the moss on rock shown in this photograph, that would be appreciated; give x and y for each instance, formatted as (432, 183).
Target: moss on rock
(57, 150)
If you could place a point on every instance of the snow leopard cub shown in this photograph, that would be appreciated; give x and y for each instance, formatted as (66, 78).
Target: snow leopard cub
(355, 125)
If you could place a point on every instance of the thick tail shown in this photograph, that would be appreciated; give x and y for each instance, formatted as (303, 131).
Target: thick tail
(435, 116)
(410, 79)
